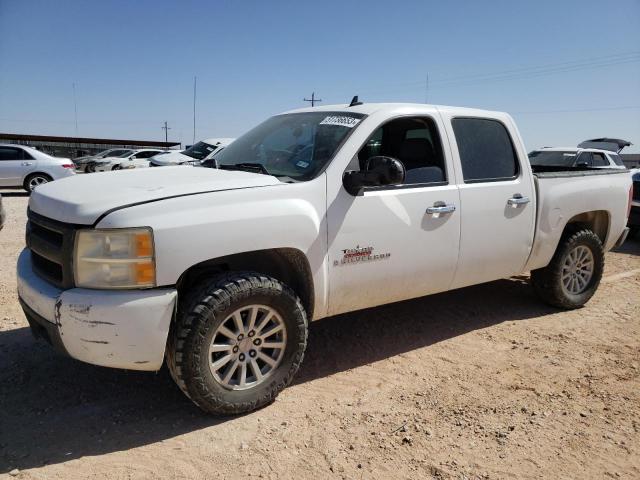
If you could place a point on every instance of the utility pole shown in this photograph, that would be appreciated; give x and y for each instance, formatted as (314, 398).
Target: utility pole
(75, 107)
(313, 99)
(166, 129)
(194, 110)
(426, 92)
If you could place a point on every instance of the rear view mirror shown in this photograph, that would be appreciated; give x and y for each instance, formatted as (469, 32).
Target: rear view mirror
(378, 171)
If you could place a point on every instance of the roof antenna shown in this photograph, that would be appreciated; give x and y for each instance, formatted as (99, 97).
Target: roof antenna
(354, 101)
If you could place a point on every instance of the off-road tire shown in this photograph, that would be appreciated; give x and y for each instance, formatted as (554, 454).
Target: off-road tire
(27, 180)
(199, 314)
(547, 281)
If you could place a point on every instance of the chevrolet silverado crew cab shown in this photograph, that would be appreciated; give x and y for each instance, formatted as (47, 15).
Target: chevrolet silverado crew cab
(315, 212)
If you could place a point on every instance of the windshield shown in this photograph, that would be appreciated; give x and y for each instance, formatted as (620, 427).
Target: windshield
(552, 158)
(296, 145)
(199, 150)
(121, 153)
(105, 153)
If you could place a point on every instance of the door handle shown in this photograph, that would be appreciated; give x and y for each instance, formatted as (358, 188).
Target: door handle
(440, 207)
(517, 200)
(26, 164)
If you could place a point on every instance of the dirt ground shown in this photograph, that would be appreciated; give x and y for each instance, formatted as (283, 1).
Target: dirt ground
(483, 382)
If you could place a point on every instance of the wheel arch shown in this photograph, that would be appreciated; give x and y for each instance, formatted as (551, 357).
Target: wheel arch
(288, 265)
(26, 177)
(598, 221)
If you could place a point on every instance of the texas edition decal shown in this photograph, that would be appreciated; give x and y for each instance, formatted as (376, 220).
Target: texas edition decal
(359, 255)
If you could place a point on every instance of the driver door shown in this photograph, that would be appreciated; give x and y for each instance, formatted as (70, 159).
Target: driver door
(398, 242)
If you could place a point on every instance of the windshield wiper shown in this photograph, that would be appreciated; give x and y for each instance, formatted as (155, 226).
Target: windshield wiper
(249, 167)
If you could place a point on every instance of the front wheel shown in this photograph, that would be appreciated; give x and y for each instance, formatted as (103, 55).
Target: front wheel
(574, 273)
(116, 167)
(237, 342)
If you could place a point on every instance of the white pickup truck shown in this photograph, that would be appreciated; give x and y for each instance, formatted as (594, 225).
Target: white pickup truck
(313, 213)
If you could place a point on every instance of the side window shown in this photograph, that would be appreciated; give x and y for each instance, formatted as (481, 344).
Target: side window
(146, 154)
(8, 153)
(599, 160)
(486, 150)
(616, 159)
(26, 155)
(584, 159)
(415, 142)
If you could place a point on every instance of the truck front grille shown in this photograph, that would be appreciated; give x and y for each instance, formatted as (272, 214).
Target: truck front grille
(51, 244)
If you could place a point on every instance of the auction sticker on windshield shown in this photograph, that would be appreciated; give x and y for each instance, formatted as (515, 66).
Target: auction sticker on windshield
(343, 121)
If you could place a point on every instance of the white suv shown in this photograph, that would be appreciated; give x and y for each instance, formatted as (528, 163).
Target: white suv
(563, 157)
(27, 167)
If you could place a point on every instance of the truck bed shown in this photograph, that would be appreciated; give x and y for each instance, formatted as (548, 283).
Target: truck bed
(564, 193)
(567, 172)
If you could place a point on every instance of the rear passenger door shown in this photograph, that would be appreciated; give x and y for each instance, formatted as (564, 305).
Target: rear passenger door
(15, 164)
(496, 199)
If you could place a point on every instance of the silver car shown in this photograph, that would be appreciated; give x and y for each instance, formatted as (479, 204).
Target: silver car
(27, 167)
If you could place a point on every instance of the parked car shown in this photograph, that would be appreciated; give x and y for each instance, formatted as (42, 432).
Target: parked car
(134, 159)
(571, 157)
(193, 155)
(305, 217)
(634, 213)
(26, 167)
(81, 163)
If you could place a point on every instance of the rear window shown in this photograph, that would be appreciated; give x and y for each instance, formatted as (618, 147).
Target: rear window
(552, 158)
(486, 150)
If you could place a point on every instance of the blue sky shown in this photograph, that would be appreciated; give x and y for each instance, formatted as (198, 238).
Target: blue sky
(566, 70)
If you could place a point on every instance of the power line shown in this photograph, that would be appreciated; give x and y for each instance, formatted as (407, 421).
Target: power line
(518, 73)
(584, 62)
(313, 99)
(632, 107)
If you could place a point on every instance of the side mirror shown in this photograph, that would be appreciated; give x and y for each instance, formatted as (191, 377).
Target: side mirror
(378, 171)
(582, 164)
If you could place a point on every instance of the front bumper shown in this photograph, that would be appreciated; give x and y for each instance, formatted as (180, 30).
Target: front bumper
(112, 328)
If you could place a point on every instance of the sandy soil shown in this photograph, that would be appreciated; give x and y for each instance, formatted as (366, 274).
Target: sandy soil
(484, 382)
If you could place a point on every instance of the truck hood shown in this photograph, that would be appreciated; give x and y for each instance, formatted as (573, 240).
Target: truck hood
(82, 199)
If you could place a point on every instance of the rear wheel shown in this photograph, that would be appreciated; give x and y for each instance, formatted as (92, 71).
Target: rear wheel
(35, 179)
(574, 273)
(237, 342)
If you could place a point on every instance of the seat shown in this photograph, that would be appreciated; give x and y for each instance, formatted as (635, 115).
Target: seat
(418, 157)
(416, 153)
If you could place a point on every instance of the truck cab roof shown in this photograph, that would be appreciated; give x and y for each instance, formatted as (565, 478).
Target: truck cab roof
(371, 108)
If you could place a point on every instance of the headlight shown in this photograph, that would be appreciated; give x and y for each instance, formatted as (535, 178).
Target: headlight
(115, 258)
